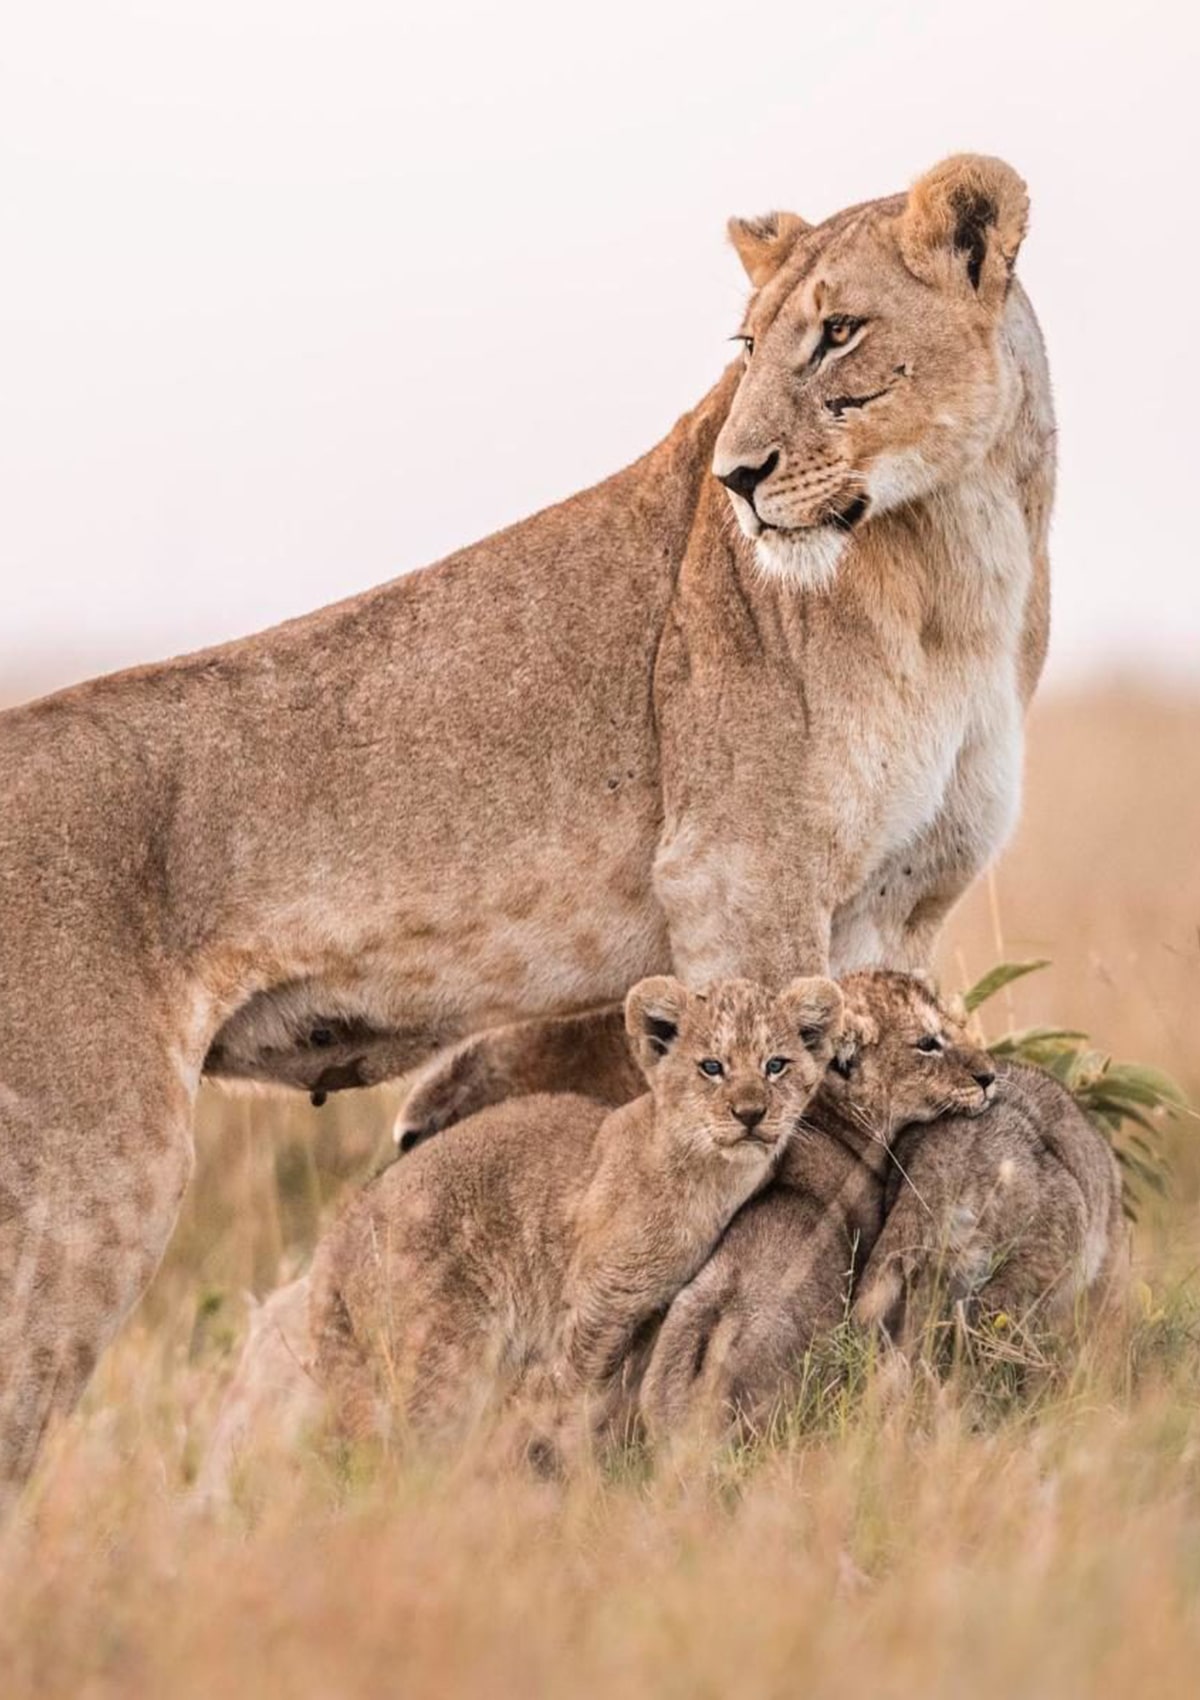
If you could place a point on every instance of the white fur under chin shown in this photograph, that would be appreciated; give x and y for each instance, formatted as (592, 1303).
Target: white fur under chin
(898, 478)
(806, 560)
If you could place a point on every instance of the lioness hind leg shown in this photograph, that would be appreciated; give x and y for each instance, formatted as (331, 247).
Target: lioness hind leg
(86, 1210)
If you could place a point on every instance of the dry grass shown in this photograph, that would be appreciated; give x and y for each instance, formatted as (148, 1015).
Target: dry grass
(941, 1540)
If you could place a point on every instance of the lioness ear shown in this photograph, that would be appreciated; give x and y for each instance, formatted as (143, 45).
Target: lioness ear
(763, 244)
(653, 1012)
(963, 225)
(814, 1008)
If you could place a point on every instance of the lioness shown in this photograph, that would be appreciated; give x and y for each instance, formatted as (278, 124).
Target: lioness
(1018, 1216)
(524, 1250)
(784, 1271)
(622, 737)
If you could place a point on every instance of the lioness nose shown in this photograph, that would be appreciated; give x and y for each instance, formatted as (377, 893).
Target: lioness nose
(985, 1078)
(749, 1116)
(745, 480)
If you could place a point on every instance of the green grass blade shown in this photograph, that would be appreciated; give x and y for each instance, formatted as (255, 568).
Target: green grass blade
(995, 981)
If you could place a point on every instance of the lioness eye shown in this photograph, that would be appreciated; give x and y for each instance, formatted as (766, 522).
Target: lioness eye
(929, 1043)
(747, 343)
(711, 1067)
(775, 1066)
(836, 332)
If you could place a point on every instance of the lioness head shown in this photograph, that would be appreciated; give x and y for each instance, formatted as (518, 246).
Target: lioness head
(903, 1058)
(874, 370)
(733, 1067)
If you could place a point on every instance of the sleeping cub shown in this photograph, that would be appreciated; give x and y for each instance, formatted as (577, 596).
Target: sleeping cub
(524, 1250)
(1016, 1216)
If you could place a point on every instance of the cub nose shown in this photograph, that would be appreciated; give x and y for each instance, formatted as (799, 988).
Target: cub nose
(745, 480)
(985, 1078)
(749, 1117)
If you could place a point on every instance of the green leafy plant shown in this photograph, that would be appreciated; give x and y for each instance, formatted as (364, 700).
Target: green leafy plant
(1128, 1102)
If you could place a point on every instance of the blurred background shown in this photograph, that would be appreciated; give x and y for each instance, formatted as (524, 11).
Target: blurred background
(295, 297)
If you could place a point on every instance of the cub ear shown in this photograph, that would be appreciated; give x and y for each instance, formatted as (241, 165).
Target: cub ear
(859, 1030)
(814, 1009)
(653, 1012)
(963, 225)
(763, 244)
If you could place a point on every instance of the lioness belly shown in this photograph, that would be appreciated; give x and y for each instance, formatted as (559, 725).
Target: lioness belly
(398, 987)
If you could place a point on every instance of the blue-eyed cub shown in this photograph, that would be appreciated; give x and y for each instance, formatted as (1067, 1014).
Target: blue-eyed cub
(523, 1251)
(732, 1341)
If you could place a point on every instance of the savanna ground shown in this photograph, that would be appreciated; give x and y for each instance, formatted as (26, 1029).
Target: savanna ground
(955, 1538)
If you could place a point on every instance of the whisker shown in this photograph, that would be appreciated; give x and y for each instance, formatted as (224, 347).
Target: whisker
(908, 1180)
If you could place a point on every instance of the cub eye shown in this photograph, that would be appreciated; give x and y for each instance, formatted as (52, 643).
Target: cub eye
(747, 343)
(836, 332)
(930, 1043)
(775, 1066)
(711, 1067)
(810, 1036)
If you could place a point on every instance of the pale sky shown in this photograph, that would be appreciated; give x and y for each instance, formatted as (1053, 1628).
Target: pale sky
(299, 294)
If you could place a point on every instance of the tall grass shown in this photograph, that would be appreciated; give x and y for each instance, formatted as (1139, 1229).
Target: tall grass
(962, 1533)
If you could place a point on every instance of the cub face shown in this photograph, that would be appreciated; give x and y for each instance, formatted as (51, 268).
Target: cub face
(904, 1057)
(732, 1069)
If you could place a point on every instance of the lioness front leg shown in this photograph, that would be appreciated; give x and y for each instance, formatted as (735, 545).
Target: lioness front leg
(740, 910)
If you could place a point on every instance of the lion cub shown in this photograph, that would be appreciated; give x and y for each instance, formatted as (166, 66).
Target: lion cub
(526, 1248)
(1019, 1215)
(732, 1339)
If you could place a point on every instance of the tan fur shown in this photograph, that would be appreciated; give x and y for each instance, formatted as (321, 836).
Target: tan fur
(1017, 1215)
(586, 1053)
(614, 740)
(273, 1396)
(782, 1275)
(733, 1343)
(524, 1250)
